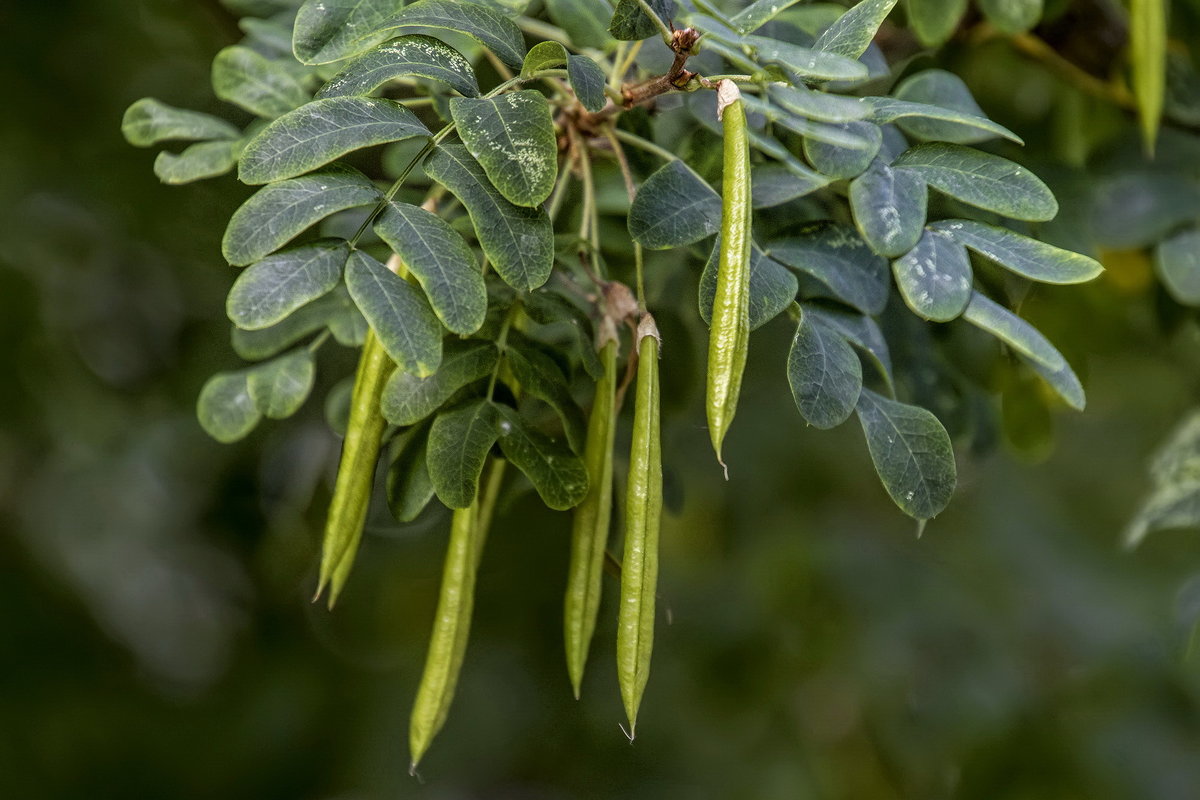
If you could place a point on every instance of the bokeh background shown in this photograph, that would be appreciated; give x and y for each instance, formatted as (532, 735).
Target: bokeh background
(156, 639)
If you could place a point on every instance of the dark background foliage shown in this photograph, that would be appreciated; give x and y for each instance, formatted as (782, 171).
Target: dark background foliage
(156, 635)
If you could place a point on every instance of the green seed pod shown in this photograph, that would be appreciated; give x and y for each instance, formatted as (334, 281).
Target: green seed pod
(589, 531)
(730, 333)
(643, 510)
(356, 472)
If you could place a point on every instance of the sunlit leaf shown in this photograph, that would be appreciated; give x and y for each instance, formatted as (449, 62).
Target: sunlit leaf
(1148, 54)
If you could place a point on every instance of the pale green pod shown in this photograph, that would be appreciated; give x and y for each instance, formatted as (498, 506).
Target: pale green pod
(729, 336)
(643, 512)
(589, 529)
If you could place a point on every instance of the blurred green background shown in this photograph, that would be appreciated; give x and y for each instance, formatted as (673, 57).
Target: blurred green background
(156, 639)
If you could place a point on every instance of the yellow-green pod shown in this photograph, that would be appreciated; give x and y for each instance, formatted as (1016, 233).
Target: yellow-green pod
(356, 471)
(643, 510)
(589, 529)
(730, 333)
(448, 642)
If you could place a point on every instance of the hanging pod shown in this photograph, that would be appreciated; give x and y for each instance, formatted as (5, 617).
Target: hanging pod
(643, 509)
(452, 621)
(589, 528)
(730, 333)
(356, 471)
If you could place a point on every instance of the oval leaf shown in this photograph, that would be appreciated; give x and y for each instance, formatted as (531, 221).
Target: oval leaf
(320, 131)
(889, 208)
(630, 23)
(459, 442)
(280, 386)
(330, 30)
(824, 373)
(912, 454)
(200, 161)
(150, 121)
(1177, 261)
(935, 277)
(518, 241)
(840, 262)
(512, 137)
(275, 287)
(225, 409)
(441, 261)
(981, 179)
(409, 398)
(416, 55)
(852, 33)
(587, 81)
(934, 21)
(261, 86)
(1027, 257)
(674, 207)
(559, 475)
(282, 211)
(398, 312)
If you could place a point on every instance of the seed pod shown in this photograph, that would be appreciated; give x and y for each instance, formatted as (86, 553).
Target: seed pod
(452, 621)
(643, 509)
(356, 471)
(730, 333)
(589, 530)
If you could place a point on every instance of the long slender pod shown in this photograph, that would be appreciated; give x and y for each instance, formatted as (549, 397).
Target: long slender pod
(356, 471)
(643, 510)
(730, 334)
(589, 530)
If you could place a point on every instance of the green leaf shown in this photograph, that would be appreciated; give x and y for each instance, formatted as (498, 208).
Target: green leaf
(775, 184)
(259, 85)
(540, 378)
(280, 386)
(409, 398)
(265, 342)
(275, 287)
(1018, 334)
(912, 454)
(804, 62)
(409, 487)
(889, 208)
(459, 442)
(824, 373)
(1027, 257)
(1063, 381)
(936, 105)
(331, 30)
(674, 207)
(320, 131)
(1148, 54)
(559, 475)
(1177, 262)
(630, 23)
(772, 287)
(934, 21)
(861, 331)
(225, 409)
(282, 211)
(841, 163)
(759, 13)
(587, 80)
(398, 312)
(585, 23)
(512, 137)
(852, 33)
(820, 106)
(1172, 506)
(1012, 16)
(518, 241)
(549, 308)
(441, 261)
(415, 55)
(489, 27)
(935, 277)
(150, 121)
(981, 179)
(197, 162)
(543, 55)
(841, 262)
